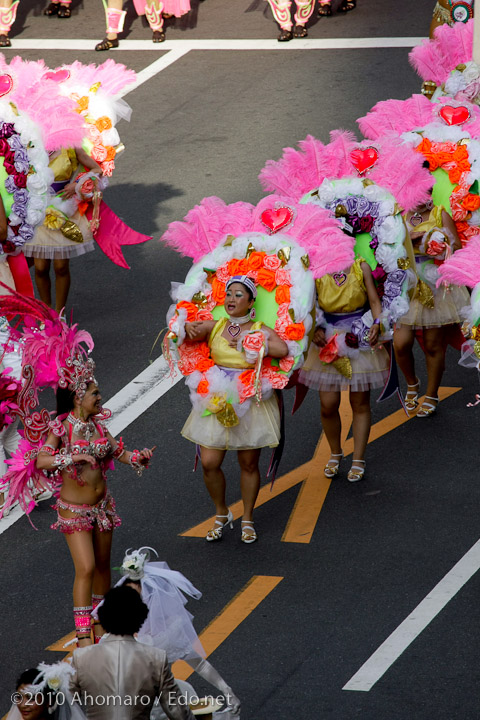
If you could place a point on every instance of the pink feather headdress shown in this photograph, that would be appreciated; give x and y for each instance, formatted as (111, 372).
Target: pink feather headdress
(451, 46)
(396, 167)
(207, 225)
(463, 267)
(112, 76)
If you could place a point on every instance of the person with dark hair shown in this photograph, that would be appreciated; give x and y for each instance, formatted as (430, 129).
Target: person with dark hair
(120, 677)
(28, 705)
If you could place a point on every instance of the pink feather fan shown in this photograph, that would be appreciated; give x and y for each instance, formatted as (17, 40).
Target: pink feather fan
(112, 76)
(463, 267)
(206, 226)
(315, 229)
(451, 46)
(299, 171)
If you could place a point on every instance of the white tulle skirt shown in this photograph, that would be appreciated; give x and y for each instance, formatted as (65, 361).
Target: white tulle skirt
(369, 371)
(448, 304)
(258, 428)
(52, 245)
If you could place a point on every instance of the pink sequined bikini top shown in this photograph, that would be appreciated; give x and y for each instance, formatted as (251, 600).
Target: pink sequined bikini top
(98, 448)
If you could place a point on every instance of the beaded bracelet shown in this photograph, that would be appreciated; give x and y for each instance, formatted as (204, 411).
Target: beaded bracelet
(48, 449)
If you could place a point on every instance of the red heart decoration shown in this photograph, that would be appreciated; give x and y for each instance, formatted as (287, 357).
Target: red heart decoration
(57, 76)
(454, 115)
(6, 84)
(277, 219)
(363, 159)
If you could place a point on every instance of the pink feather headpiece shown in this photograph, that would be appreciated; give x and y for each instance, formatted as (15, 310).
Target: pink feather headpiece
(387, 162)
(207, 225)
(451, 46)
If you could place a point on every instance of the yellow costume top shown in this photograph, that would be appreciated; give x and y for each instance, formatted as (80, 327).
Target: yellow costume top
(64, 164)
(434, 222)
(342, 292)
(222, 353)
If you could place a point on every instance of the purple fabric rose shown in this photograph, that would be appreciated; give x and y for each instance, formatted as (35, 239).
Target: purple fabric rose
(373, 244)
(360, 330)
(15, 143)
(10, 184)
(25, 233)
(7, 130)
(397, 276)
(351, 205)
(363, 206)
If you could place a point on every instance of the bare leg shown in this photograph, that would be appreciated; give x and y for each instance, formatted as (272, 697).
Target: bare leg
(62, 283)
(331, 423)
(214, 478)
(42, 280)
(81, 549)
(249, 479)
(435, 358)
(403, 340)
(360, 402)
(102, 546)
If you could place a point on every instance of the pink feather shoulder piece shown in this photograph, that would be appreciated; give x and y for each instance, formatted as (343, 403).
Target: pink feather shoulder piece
(463, 267)
(451, 46)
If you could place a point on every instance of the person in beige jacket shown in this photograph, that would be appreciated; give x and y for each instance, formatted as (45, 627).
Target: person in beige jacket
(120, 678)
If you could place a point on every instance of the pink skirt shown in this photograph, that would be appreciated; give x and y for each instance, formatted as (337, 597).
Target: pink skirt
(170, 7)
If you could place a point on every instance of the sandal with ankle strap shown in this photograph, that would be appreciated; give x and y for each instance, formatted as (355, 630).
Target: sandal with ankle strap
(427, 409)
(347, 6)
(356, 472)
(331, 470)
(300, 31)
(106, 44)
(52, 9)
(248, 532)
(411, 396)
(5, 41)
(158, 36)
(325, 10)
(285, 36)
(217, 531)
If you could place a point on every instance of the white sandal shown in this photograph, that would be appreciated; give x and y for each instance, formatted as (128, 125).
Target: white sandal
(330, 470)
(216, 532)
(411, 403)
(356, 472)
(427, 409)
(251, 535)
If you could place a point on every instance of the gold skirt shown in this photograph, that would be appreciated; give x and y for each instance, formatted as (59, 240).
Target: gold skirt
(258, 428)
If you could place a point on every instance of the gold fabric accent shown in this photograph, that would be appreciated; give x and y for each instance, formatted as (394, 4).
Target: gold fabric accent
(464, 141)
(119, 148)
(250, 250)
(347, 297)
(442, 15)
(199, 298)
(284, 254)
(54, 219)
(367, 182)
(95, 87)
(72, 232)
(424, 294)
(305, 261)
(14, 108)
(461, 67)
(343, 366)
(291, 312)
(476, 349)
(228, 242)
(475, 332)
(397, 209)
(64, 164)
(340, 211)
(403, 263)
(428, 88)
(227, 416)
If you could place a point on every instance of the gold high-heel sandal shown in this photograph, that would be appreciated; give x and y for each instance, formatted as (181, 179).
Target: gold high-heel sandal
(330, 471)
(427, 409)
(217, 531)
(356, 472)
(248, 532)
(411, 396)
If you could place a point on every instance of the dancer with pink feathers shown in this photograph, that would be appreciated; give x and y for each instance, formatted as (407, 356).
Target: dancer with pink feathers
(77, 105)
(74, 450)
(363, 185)
(240, 324)
(154, 10)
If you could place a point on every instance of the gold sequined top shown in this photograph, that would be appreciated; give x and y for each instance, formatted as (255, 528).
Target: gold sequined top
(222, 352)
(64, 164)
(342, 292)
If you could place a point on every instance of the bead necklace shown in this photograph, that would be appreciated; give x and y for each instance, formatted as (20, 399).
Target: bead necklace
(84, 428)
(234, 328)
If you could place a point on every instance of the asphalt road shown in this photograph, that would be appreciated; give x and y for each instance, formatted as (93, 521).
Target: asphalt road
(204, 126)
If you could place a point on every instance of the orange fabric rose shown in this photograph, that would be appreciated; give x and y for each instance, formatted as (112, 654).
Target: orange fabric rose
(204, 364)
(282, 294)
(246, 377)
(218, 291)
(255, 261)
(238, 267)
(111, 152)
(103, 123)
(471, 202)
(295, 331)
(190, 308)
(329, 352)
(203, 387)
(82, 104)
(266, 278)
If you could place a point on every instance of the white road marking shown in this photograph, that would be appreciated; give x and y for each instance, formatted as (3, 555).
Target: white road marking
(127, 405)
(163, 62)
(389, 651)
(233, 44)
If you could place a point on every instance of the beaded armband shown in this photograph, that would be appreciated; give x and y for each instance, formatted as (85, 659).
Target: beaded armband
(48, 449)
(135, 462)
(56, 426)
(119, 450)
(62, 461)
